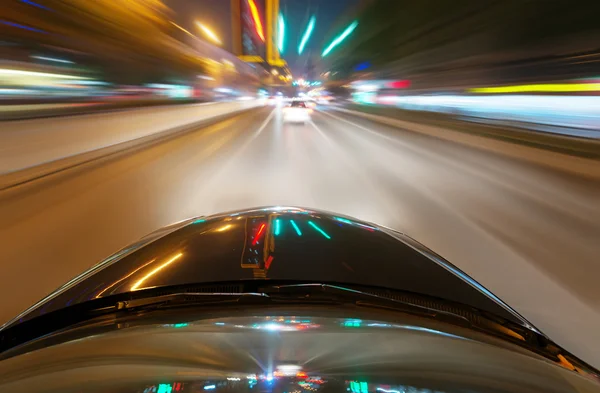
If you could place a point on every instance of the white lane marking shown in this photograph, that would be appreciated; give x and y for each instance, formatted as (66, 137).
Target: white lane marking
(257, 132)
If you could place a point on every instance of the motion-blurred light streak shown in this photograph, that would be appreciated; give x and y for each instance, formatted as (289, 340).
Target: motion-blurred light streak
(36, 5)
(209, 33)
(20, 26)
(539, 88)
(256, 18)
(280, 33)
(298, 231)
(307, 33)
(318, 229)
(340, 38)
(52, 59)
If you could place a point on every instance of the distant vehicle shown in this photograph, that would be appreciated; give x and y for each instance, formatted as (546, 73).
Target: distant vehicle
(280, 300)
(297, 112)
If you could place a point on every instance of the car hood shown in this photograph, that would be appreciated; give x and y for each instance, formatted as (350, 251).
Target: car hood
(275, 243)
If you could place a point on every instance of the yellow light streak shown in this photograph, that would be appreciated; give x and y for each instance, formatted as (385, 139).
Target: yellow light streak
(137, 285)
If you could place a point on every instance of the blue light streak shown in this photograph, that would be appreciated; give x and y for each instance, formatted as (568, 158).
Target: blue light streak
(36, 5)
(12, 24)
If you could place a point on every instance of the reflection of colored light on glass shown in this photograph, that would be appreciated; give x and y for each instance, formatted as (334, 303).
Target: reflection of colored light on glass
(387, 391)
(301, 374)
(164, 388)
(268, 262)
(260, 231)
(180, 325)
(198, 221)
(36, 5)
(209, 387)
(220, 323)
(277, 227)
(364, 387)
(296, 228)
(340, 219)
(352, 323)
(153, 272)
(256, 17)
(322, 232)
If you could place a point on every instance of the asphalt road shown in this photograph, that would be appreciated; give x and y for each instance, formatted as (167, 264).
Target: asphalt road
(530, 234)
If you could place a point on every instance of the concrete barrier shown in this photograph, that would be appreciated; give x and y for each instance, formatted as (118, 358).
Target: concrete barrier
(32, 148)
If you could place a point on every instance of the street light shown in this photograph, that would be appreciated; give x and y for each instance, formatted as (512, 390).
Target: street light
(209, 33)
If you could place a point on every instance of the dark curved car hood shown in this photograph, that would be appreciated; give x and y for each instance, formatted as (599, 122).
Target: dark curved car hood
(334, 347)
(275, 244)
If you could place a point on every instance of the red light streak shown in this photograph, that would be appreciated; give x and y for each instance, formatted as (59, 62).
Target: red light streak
(260, 231)
(256, 17)
(268, 262)
(401, 84)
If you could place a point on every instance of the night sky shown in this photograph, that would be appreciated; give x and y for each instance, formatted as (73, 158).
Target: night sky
(216, 14)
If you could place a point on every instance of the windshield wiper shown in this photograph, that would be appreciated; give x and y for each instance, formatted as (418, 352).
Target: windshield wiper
(327, 293)
(188, 299)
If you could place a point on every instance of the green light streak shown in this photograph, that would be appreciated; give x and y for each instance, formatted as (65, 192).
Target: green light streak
(312, 224)
(281, 33)
(277, 227)
(296, 228)
(340, 38)
(307, 33)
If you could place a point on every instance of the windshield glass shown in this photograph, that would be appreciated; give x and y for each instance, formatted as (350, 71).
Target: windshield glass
(298, 104)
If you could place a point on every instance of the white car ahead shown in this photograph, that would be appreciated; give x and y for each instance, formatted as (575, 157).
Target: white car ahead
(297, 112)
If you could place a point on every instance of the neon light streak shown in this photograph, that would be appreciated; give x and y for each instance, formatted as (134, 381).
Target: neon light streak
(260, 231)
(209, 33)
(312, 224)
(307, 33)
(340, 38)
(268, 262)
(277, 227)
(19, 26)
(281, 33)
(539, 88)
(296, 228)
(52, 59)
(256, 17)
(340, 219)
(35, 5)
(137, 285)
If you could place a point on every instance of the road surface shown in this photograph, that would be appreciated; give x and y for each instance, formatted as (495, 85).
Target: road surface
(530, 234)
